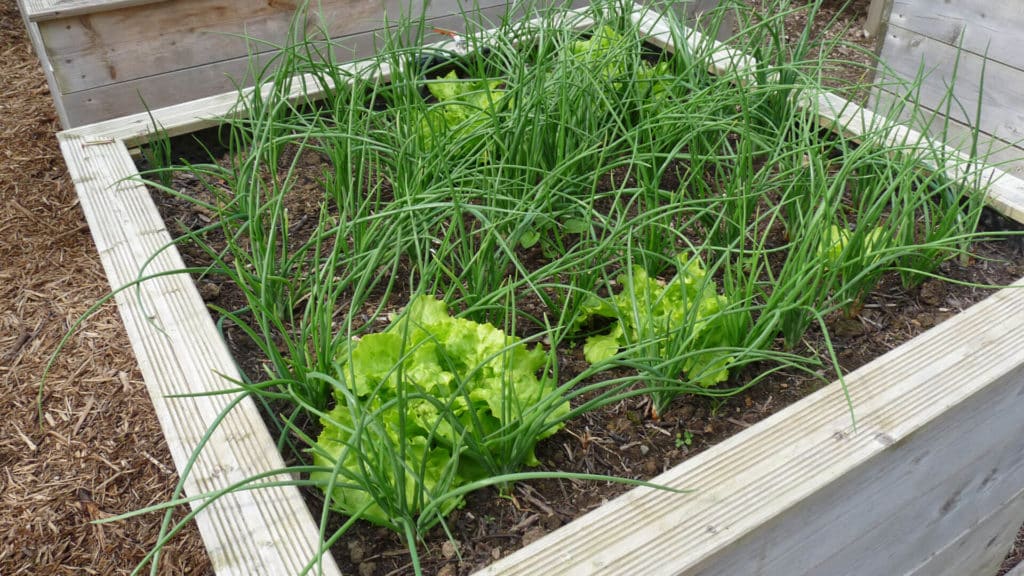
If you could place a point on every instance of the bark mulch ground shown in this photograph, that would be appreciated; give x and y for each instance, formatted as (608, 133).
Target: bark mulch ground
(98, 449)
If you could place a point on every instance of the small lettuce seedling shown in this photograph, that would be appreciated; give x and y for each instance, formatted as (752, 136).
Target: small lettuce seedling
(456, 400)
(855, 258)
(835, 243)
(463, 106)
(683, 317)
(605, 50)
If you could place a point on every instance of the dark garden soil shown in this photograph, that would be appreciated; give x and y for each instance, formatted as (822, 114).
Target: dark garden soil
(101, 452)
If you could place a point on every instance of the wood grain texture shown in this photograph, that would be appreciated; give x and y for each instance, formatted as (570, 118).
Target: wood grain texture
(264, 531)
(32, 30)
(998, 152)
(929, 465)
(186, 117)
(147, 41)
(1004, 192)
(936, 37)
(983, 27)
(43, 10)
(999, 86)
(115, 100)
(878, 15)
(107, 64)
(998, 531)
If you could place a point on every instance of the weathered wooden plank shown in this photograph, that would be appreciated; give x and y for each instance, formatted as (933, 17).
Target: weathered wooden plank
(946, 478)
(126, 97)
(36, 39)
(202, 113)
(991, 27)
(1005, 192)
(999, 153)
(43, 10)
(878, 15)
(146, 41)
(265, 531)
(905, 52)
(964, 556)
(143, 42)
(1018, 571)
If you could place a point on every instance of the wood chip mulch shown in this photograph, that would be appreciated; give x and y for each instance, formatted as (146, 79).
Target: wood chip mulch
(98, 450)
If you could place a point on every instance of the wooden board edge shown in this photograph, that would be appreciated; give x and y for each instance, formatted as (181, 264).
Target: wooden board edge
(136, 129)
(95, 59)
(44, 10)
(986, 29)
(32, 29)
(877, 17)
(95, 104)
(997, 530)
(943, 74)
(999, 153)
(268, 530)
(1005, 191)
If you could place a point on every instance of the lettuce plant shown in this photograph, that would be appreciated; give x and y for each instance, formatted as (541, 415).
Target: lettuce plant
(683, 318)
(463, 106)
(441, 401)
(836, 242)
(606, 50)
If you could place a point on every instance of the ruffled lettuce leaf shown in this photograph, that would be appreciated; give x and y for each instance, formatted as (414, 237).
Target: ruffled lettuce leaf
(651, 310)
(463, 105)
(427, 381)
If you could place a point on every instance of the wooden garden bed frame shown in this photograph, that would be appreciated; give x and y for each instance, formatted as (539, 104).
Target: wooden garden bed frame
(969, 44)
(930, 482)
(104, 59)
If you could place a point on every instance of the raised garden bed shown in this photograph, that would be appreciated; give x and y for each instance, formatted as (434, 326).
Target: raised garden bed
(802, 476)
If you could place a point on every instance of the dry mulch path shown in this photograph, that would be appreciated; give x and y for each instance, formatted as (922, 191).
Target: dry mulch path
(98, 450)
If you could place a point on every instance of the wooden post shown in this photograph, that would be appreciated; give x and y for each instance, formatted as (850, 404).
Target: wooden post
(878, 15)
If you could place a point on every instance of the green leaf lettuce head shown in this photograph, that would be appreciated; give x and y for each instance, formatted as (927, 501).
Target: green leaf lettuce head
(463, 105)
(607, 50)
(425, 385)
(681, 317)
(836, 241)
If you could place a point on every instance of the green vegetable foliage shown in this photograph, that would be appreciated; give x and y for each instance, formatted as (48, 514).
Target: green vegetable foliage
(463, 106)
(684, 318)
(450, 394)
